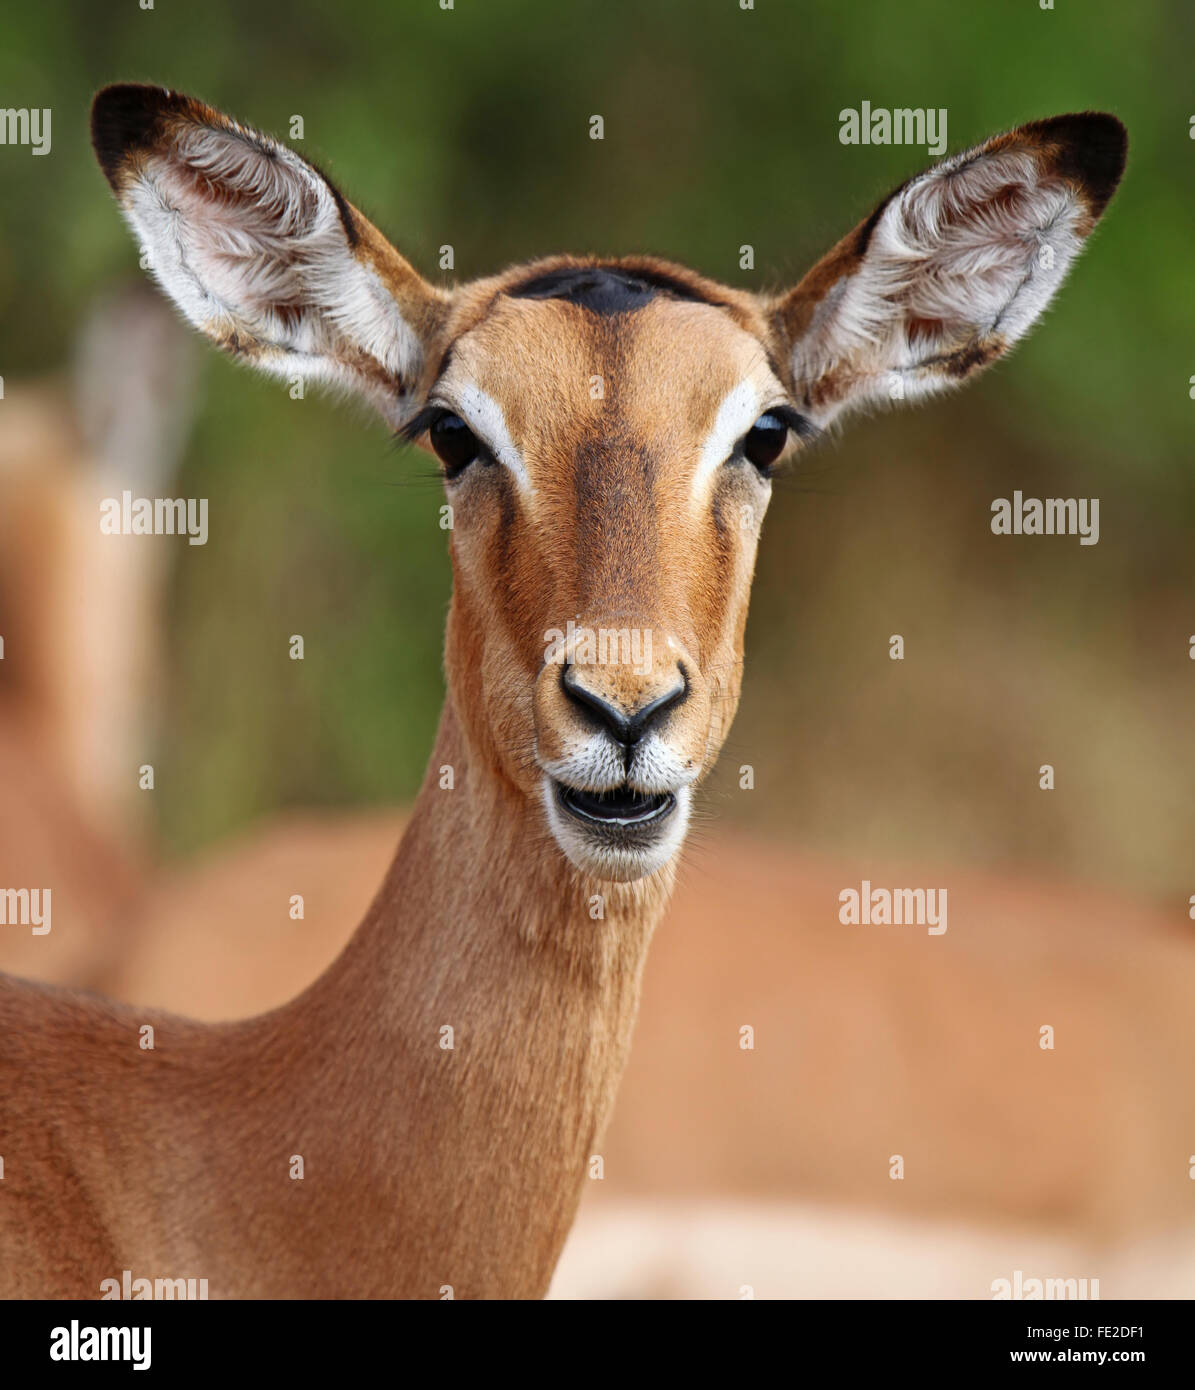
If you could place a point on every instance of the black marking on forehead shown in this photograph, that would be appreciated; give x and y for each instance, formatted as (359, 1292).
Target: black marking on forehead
(606, 289)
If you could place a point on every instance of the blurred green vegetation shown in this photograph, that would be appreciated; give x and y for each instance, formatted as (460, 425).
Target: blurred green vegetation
(470, 127)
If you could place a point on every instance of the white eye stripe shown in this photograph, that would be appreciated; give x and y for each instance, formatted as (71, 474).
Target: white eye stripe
(483, 415)
(737, 413)
(739, 410)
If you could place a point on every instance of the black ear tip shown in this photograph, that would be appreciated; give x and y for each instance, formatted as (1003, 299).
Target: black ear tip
(1092, 147)
(124, 117)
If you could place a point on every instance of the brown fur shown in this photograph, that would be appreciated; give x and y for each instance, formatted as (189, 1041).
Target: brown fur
(942, 1029)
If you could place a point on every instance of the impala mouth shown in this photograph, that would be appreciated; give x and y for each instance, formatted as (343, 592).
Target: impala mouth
(622, 806)
(621, 834)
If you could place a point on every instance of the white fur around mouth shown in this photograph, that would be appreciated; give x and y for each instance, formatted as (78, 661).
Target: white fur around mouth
(618, 835)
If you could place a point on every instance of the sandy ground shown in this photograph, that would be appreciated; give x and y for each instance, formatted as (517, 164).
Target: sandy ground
(726, 1249)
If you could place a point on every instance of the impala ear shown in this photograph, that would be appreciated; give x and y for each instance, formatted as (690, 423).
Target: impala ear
(951, 269)
(260, 252)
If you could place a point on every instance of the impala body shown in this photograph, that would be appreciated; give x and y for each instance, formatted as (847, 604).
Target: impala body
(422, 1118)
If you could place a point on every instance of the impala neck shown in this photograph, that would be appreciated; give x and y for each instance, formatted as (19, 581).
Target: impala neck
(483, 1010)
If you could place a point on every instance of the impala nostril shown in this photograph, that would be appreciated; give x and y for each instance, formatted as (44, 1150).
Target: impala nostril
(610, 715)
(626, 728)
(651, 713)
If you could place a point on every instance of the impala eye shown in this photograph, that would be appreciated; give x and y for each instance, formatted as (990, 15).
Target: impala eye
(764, 442)
(454, 442)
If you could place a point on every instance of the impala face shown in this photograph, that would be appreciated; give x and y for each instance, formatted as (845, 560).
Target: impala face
(608, 435)
(607, 430)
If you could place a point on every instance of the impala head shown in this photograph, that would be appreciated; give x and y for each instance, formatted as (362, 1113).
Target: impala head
(607, 429)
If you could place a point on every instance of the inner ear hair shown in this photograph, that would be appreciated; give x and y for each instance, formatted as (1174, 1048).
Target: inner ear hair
(952, 268)
(261, 252)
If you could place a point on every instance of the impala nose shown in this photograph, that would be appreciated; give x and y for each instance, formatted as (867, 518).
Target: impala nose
(627, 726)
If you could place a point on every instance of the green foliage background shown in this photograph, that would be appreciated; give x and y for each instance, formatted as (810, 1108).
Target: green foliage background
(470, 127)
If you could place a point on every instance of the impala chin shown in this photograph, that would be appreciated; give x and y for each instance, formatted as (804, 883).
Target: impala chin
(620, 834)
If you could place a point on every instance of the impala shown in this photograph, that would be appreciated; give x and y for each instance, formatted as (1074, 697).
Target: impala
(419, 1121)
(74, 684)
